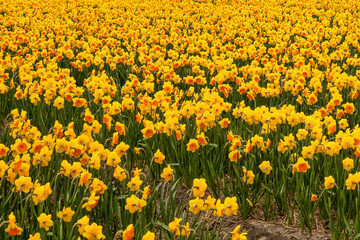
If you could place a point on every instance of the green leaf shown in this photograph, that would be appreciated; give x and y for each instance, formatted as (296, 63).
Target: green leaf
(164, 226)
(121, 197)
(266, 187)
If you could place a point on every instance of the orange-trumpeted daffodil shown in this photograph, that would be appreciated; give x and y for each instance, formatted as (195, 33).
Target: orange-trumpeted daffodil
(92, 201)
(301, 165)
(193, 145)
(128, 232)
(13, 229)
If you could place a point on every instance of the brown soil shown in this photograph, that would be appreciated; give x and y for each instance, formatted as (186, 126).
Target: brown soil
(4, 126)
(268, 231)
(258, 228)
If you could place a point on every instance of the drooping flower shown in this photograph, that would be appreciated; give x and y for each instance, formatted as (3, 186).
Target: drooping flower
(13, 229)
(199, 187)
(93, 232)
(134, 204)
(91, 202)
(248, 177)
(174, 225)
(159, 157)
(231, 206)
(23, 184)
(135, 183)
(348, 164)
(196, 205)
(66, 214)
(36, 236)
(236, 235)
(128, 232)
(329, 182)
(82, 223)
(265, 167)
(45, 221)
(167, 173)
(148, 236)
(119, 173)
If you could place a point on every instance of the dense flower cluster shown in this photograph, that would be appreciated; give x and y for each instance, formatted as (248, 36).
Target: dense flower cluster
(118, 104)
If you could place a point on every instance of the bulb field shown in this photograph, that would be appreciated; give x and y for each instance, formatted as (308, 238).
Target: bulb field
(168, 119)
